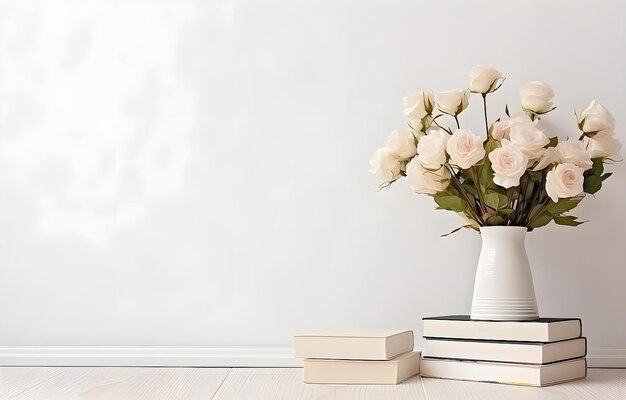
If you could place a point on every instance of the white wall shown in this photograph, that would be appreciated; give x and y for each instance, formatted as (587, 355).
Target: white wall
(193, 173)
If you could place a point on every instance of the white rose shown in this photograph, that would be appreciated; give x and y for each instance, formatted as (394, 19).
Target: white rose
(385, 165)
(574, 152)
(426, 181)
(484, 78)
(508, 164)
(401, 144)
(536, 97)
(419, 126)
(566, 180)
(596, 120)
(528, 138)
(502, 128)
(453, 102)
(431, 149)
(550, 156)
(419, 104)
(606, 145)
(465, 148)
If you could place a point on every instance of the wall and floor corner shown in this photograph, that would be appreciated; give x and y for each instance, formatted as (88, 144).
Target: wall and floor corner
(185, 182)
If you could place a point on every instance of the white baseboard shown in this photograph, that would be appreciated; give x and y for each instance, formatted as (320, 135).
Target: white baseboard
(606, 358)
(148, 357)
(199, 357)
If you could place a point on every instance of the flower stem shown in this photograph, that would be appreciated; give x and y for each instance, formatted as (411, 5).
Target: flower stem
(456, 118)
(542, 201)
(478, 189)
(445, 129)
(509, 196)
(521, 201)
(542, 206)
(471, 204)
(485, 109)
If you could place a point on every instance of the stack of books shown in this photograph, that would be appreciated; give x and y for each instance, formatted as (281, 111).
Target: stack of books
(357, 358)
(542, 352)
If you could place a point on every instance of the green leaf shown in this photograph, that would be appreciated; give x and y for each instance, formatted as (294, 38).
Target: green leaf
(496, 200)
(450, 191)
(535, 176)
(568, 220)
(503, 201)
(563, 205)
(597, 167)
(458, 229)
(506, 211)
(530, 186)
(594, 176)
(553, 142)
(491, 200)
(605, 176)
(592, 184)
(470, 188)
(452, 203)
(486, 174)
(541, 220)
(495, 220)
(490, 146)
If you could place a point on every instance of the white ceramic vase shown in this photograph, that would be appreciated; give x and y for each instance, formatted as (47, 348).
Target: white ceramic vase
(503, 290)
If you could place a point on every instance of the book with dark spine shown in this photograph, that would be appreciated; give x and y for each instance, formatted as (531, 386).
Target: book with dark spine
(540, 330)
(505, 351)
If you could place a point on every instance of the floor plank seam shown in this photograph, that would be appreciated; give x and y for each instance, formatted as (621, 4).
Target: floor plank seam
(221, 383)
(423, 388)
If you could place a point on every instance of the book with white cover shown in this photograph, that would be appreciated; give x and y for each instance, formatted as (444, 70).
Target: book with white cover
(512, 374)
(361, 372)
(357, 345)
(539, 330)
(505, 351)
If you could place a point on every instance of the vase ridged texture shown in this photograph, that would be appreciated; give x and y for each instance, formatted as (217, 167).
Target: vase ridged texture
(503, 289)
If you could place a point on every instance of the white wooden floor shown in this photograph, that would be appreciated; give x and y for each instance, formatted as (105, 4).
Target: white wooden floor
(123, 383)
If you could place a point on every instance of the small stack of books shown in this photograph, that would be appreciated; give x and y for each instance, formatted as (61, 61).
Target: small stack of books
(542, 352)
(357, 358)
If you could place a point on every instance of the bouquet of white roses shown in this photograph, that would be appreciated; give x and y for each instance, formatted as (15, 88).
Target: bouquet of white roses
(514, 175)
